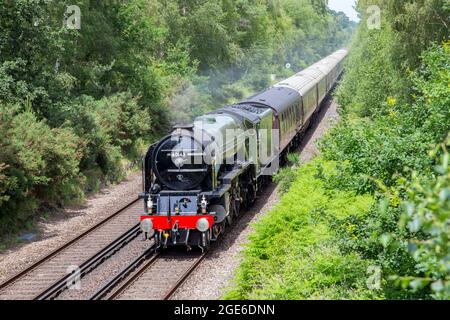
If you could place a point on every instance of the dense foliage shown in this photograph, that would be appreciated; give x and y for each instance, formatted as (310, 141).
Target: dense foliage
(293, 255)
(395, 99)
(397, 134)
(426, 215)
(382, 147)
(77, 105)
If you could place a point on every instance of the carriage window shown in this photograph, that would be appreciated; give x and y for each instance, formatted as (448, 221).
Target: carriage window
(293, 115)
(299, 112)
(287, 120)
(281, 123)
(290, 117)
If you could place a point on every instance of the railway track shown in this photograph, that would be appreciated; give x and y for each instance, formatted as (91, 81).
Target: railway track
(57, 271)
(152, 276)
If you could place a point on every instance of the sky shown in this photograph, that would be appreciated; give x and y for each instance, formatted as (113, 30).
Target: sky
(345, 6)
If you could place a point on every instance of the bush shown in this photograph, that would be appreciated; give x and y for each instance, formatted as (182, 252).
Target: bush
(124, 121)
(407, 238)
(292, 254)
(110, 130)
(371, 76)
(426, 217)
(38, 166)
(382, 154)
(287, 175)
(397, 140)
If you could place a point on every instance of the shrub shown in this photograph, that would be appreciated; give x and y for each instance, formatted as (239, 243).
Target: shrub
(292, 254)
(110, 130)
(39, 166)
(397, 140)
(124, 121)
(287, 175)
(426, 216)
(388, 152)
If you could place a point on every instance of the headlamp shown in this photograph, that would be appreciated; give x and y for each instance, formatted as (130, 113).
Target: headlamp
(202, 225)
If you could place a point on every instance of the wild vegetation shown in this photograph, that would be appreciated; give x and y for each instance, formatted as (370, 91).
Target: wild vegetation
(292, 254)
(77, 105)
(390, 146)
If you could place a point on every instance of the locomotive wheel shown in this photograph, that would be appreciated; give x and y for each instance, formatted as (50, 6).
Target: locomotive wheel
(237, 207)
(208, 241)
(236, 202)
(223, 226)
(229, 219)
(218, 229)
(250, 195)
(230, 215)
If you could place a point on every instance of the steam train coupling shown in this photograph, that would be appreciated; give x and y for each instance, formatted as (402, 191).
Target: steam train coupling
(201, 176)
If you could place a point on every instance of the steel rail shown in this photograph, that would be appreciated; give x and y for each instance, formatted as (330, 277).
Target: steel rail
(183, 278)
(112, 285)
(77, 238)
(191, 269)
(90, 264)
(167, 295)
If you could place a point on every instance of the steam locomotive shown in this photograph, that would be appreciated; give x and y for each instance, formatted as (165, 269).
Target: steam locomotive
(198, 178)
